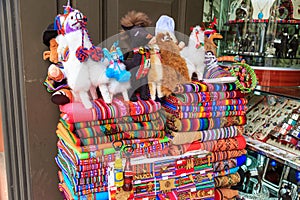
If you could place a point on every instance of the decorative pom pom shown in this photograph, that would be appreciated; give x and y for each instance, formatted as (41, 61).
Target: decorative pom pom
(82, 54)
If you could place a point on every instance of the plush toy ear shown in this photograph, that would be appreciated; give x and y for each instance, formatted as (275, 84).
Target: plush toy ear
(46, 55)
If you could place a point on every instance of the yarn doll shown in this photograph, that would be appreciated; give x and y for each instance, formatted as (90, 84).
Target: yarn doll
(134, 23)
(120, 77)
(116, 69)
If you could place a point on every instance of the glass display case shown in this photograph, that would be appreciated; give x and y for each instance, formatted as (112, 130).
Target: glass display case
(273, 141)
(264, 32)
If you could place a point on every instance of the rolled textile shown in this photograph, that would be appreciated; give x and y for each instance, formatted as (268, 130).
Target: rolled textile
(197, 86)
(230, 163)
(201, 124)
(75, 112)
(228, 180)
(206, 135)
(122, 136)
(111, 129)
(208, 96)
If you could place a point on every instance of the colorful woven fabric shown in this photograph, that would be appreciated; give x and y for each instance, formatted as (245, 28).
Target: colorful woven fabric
(75, 112)
(226, 172)
(201, 124)
(175, 103)
(206, 135)
(228, 144)
(230, 163)
(197, 86)
(208, 96)
(111, 129)
(225, 155)
(69, 195)
(228, 180)
(122, 136)
(188, 115)
(126, 119)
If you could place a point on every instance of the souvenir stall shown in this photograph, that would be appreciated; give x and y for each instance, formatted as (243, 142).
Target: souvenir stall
(164, 120)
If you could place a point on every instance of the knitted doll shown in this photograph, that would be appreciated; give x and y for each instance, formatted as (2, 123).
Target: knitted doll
(134, 24)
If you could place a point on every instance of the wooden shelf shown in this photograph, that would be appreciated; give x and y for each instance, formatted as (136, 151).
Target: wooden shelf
(283, 21)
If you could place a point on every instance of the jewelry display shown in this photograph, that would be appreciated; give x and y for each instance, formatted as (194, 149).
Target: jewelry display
(261, 8)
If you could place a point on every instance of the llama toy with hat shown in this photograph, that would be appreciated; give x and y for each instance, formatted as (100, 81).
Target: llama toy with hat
(85, 67)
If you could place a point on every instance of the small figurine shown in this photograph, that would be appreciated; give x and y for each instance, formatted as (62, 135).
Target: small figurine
(293, 44)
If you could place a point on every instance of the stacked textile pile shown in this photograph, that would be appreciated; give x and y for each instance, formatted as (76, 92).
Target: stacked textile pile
(202, 116)
(181, 177)
(85, 146)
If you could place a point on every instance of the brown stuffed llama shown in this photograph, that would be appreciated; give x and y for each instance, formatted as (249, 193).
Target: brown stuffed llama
(175, 70)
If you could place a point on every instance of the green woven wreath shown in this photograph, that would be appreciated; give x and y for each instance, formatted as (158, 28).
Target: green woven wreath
(249, 71)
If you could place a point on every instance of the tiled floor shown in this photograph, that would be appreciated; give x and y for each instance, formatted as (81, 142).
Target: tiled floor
(3, 181)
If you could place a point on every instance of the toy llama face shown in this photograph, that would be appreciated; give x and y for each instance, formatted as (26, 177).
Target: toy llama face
(74, 21)
(198, 36)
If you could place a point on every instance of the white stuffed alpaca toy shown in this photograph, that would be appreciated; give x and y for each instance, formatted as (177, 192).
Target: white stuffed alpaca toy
(194, 52)
(85, 67)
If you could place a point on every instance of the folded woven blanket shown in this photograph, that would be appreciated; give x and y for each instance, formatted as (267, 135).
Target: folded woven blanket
(126, 119)
(201, 124)
(123, 136)
(228, 144)
(111, 129)
(225, 172)
(176, 103)
(230, 163)
(75, 112)
(197, 86)
(228, 180)
(206, 135)
(226, 155)
(208, 96)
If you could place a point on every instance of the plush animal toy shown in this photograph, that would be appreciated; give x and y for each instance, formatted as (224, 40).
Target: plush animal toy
(175, 70)
(120, 78)
(194, 52)
(116, 69)
(155, 73)
(134, 23)
(55, 81)
(85, 67)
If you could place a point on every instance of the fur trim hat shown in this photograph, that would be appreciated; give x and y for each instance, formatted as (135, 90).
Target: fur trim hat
(48, 34)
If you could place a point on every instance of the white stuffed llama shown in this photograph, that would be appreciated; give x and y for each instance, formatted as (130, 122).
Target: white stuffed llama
(85, 67)
(194, 52)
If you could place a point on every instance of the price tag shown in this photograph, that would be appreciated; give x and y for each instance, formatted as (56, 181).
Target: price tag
(179, 162)
(193, 189)
(165, 178)
(295, 116)
(202, 172)
(183, 174)
(137, 182)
